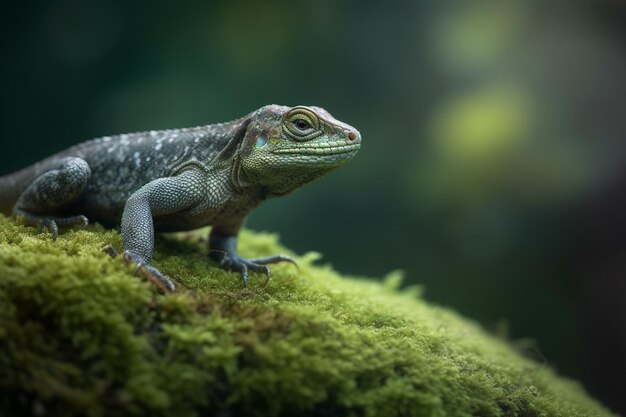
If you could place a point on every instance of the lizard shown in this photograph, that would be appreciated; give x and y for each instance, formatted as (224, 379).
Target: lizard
(182, 179)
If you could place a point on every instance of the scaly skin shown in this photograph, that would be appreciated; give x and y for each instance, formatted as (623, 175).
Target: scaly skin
(182, 179)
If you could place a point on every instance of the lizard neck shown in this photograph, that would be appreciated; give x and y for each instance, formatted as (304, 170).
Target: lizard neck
(242, 184)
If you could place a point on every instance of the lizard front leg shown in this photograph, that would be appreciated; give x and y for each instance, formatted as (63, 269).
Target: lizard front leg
(158, 197)
(223, 249)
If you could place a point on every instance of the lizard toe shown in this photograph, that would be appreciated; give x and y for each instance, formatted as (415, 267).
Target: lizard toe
(236, 263)
(244, 274)
(50, 225)
(150, 273)
(274, 259)
(156, 278)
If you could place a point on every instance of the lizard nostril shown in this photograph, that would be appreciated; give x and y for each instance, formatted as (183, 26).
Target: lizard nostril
(352, 135)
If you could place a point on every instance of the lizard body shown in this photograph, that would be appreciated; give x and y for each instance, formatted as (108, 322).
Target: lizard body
(182, 179)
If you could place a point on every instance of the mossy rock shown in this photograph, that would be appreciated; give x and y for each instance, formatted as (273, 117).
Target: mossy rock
(81, 335)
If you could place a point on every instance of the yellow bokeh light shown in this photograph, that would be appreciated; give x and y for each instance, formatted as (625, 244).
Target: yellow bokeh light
(482, 124)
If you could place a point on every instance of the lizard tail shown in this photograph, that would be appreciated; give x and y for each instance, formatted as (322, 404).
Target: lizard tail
(12, 186)
(8, 193)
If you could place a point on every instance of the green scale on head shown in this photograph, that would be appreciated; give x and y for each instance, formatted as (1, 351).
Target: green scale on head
(299, 145)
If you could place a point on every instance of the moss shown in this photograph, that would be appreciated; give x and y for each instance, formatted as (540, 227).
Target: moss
(81, 335)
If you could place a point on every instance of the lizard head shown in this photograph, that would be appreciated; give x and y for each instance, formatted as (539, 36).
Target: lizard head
(287, 147)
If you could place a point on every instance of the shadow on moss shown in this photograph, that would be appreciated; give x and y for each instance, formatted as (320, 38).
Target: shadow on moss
(81, 335)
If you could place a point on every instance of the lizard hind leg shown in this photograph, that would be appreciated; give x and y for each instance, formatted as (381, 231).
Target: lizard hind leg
(46, 197)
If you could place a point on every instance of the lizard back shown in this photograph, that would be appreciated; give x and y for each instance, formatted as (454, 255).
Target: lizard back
(121, 164)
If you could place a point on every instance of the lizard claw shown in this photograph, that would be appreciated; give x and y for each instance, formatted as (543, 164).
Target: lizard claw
(150, 273)
(110, 250)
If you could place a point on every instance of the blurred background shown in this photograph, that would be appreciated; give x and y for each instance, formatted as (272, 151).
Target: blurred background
(493, 170)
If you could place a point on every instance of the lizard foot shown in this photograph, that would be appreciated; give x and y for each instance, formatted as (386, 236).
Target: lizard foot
(150, 273)
(234, 262)
(52, 224)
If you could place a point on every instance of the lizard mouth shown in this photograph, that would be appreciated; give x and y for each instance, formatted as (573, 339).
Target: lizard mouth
(321, 149)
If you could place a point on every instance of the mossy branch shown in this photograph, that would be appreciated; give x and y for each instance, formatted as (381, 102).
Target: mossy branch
(81, 335)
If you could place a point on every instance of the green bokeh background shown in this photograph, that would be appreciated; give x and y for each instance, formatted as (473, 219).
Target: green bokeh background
(492, 138)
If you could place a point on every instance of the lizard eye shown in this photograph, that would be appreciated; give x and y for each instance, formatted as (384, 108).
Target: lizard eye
(301, 124)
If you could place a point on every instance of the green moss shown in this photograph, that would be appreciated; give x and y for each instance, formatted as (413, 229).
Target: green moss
(81, 335)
